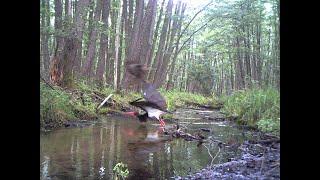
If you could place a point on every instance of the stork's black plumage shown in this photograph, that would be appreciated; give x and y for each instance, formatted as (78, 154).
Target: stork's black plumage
(154, 104)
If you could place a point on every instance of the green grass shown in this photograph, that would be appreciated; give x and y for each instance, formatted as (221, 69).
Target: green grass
(55, 106)
(256, 107)
(181, 99)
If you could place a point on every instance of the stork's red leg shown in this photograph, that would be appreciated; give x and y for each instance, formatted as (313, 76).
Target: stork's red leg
(162, 123)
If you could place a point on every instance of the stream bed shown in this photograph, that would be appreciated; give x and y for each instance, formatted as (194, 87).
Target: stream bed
(91, 151)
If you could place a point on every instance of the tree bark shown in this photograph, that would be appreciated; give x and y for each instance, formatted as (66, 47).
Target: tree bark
(239, 73)
(147, 29)
(169, 51)
(117, 60)
(45, 22)
(103, 43)
(80, 16)
(173, 63)
(122, 41)
(155, 36)
(135, 46)
(159, 56)
(56, 65)
(88, 66)
(247, 57)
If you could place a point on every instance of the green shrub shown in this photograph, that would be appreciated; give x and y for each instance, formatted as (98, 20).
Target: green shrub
(269, 125)
(55, 106)
(176, 99)
(121, 170)
(251, 106)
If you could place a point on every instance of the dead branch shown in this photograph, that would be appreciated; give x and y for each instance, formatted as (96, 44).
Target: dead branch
(209, 155)
(46, 82)
(104, 101)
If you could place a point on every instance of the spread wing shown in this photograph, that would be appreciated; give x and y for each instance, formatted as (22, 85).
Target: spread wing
(150, 94)
(137, 70)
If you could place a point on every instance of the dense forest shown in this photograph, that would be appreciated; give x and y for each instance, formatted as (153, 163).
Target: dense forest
(214, 65)
(217, 48)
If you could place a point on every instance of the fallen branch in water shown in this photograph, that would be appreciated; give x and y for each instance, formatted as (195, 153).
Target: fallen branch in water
(209, 155)
(178, 133)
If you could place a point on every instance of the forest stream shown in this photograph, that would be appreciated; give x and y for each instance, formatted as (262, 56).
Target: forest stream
(91, 150)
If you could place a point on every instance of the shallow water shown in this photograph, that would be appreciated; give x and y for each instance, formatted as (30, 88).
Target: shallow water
(91, 152)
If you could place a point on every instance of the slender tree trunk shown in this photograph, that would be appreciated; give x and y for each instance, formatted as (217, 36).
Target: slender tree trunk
(155, 36)
(247, 58)
(103, 43)
(135, 47)
(231, 72)
(239, 73)
(128, 26)
(80, 16)
(259, 63)
(159, 56)
(173, 63)
(45, 22)
(148, 28)
(56, 65)
(168, 53)
(111, 52)
(117, 61)
(122, 41)
(88, 66)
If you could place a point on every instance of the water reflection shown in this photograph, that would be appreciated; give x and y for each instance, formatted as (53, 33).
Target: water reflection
(92, 152)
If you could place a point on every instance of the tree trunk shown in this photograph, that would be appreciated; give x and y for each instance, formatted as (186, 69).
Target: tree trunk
(128, 26)
(231, 72)
(258, 50)
(247, 58)
(117, 60)
(135, 46)
(147, 29)
(173, 63)
(168, 53)
(45, 22)
(103, 43)
(155, 36)
(239, 73)
(80, 16)
(56, 65)
(111, 49)
(122, 39)
(159, 56)
(88, 65)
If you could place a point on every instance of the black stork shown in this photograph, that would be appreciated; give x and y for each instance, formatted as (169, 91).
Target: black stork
(154, 104)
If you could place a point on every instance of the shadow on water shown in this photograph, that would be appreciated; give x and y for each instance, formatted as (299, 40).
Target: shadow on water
(92, 152)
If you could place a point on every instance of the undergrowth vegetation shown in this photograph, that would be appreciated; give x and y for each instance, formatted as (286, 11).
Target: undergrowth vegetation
(81, 102)
(177, 99)
(256, 108)
(55, 106)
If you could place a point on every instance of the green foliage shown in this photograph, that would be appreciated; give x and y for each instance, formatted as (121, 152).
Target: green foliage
(121, 170)
(179, 99)
(269, 125)
(55, 106)
(255, 105)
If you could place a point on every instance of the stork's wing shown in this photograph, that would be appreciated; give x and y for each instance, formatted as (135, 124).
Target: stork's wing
(150, 94)
(137, 70)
